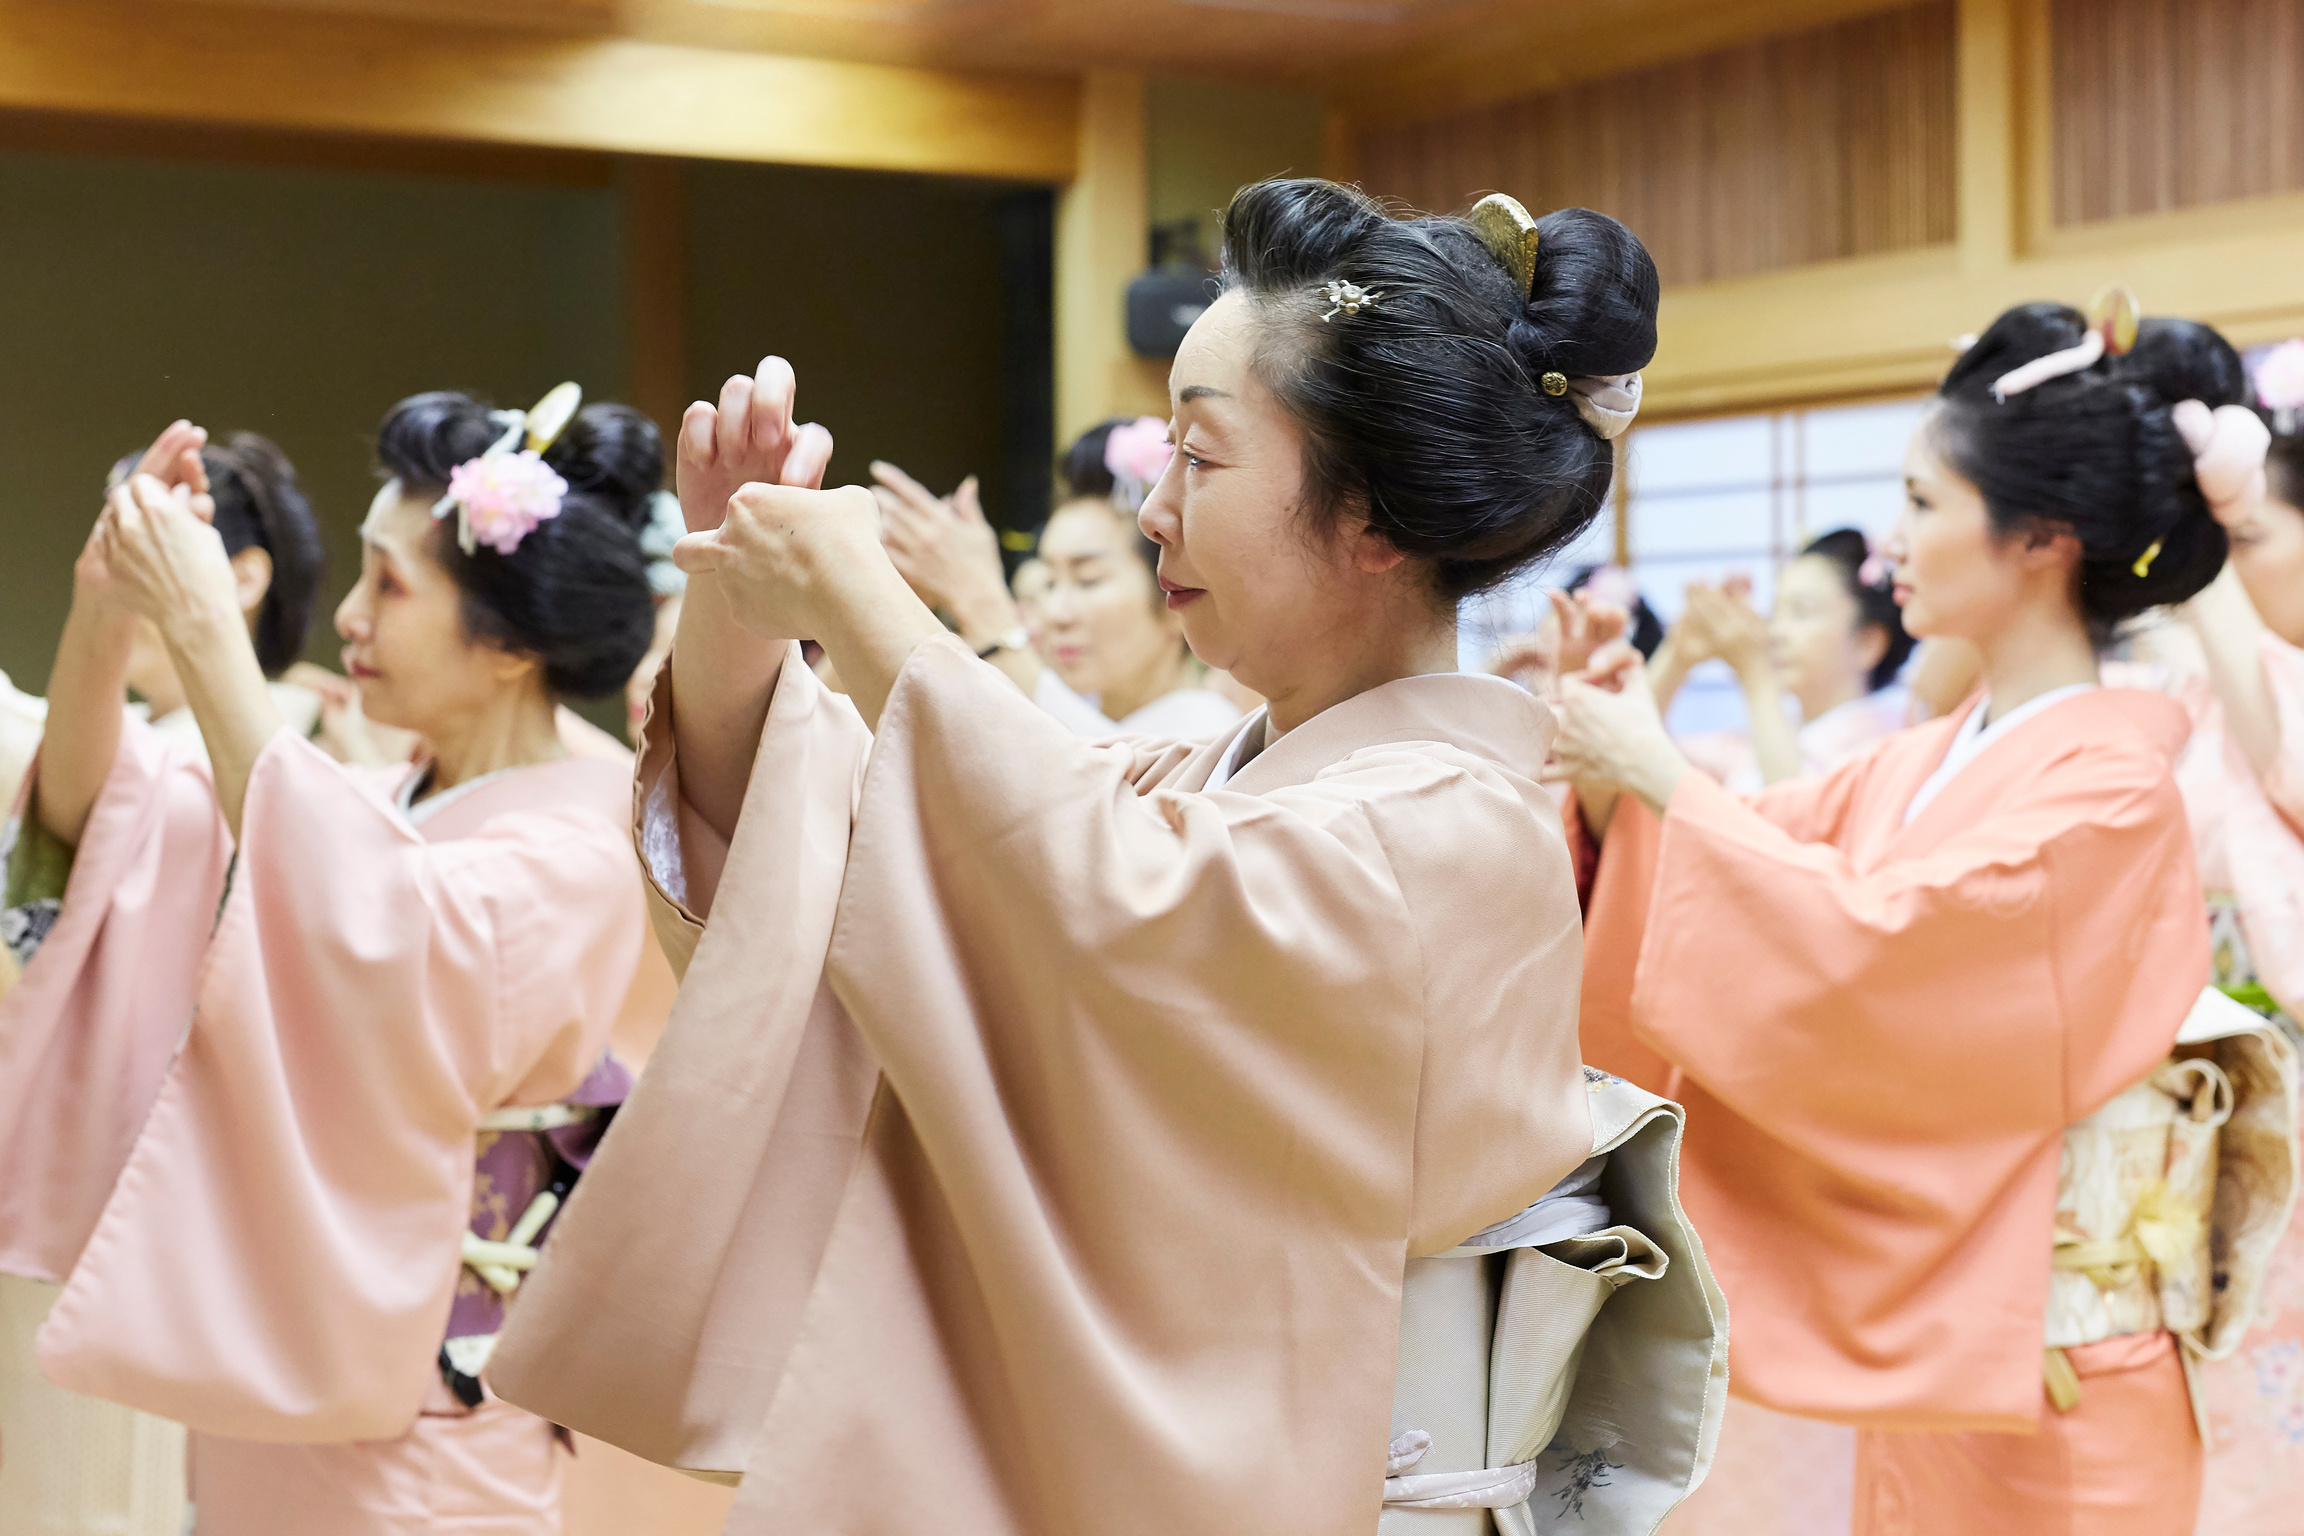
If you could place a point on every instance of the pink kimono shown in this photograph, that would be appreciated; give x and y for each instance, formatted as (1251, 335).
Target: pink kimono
(1881, 1031)
(240, 1106)
(2245, 831)
(1042, 1136)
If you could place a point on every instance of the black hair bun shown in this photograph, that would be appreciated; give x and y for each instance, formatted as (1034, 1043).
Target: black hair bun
(259, 505)
(613, 454)
(1593, 306)
(1424, 411)
(575, 593)
(2097, 451)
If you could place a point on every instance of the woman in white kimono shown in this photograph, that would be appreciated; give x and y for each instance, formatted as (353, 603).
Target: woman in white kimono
(1049, 1134)
(399, 982)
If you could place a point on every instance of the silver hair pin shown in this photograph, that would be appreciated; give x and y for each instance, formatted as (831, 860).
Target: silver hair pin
(1350, 298)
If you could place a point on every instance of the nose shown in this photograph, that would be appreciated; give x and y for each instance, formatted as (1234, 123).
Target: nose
(1159, 519)
(351, 618)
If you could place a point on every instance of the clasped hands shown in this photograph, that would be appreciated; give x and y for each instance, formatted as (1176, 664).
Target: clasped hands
(153, 552)
(773, 542)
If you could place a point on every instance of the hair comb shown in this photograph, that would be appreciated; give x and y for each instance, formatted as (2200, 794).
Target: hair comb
(1504, 226)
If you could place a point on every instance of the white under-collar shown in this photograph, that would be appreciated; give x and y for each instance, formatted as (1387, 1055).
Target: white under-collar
(1244, 748)
(1969, 742)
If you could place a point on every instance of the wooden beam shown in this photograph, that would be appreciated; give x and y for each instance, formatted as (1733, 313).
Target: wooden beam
(221, 65)
(1987, 127)
(1102, 241)
(1884, 325)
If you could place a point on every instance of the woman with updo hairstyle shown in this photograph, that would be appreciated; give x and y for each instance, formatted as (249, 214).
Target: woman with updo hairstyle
(1086, 1123)
(295, 1229)
(1921, 1009)
(1834, 642)
(1100, 649)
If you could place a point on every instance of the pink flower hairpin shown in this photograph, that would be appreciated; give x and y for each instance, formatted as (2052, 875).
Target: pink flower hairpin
(502, 496)
(1137, 454)
(2280, 383)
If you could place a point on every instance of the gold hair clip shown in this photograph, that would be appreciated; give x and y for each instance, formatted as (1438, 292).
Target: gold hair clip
(549, 417)
(1555, 384)
(2143, 565)
(1510, 235)
(1351, 298)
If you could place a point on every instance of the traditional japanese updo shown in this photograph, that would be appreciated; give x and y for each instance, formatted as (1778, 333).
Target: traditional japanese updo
(2096, 451)
(1425, 410)
(260, 506)
(574, 594)
(1874, 595)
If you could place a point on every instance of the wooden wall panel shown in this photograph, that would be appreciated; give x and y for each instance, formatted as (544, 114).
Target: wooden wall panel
(1787, 150)
(2163, 104)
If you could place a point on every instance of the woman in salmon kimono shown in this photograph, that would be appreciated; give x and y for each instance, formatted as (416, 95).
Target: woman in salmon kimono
(311, 1052)
(1050, 1136)
(1885, 994)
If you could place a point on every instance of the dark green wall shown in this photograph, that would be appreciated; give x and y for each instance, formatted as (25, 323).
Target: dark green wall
(303, 303)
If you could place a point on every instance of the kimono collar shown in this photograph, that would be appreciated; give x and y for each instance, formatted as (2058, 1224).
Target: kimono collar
(1484, 716)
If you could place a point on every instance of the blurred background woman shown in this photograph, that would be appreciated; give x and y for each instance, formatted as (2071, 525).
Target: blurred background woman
(1835, 644)
(1110, 657)
(294, 1228)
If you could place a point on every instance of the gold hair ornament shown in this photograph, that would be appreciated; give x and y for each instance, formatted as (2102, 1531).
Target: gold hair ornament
(2143, 565)
(1350, 298)
(1510, 235)
(2113, 320)
(1555, 384)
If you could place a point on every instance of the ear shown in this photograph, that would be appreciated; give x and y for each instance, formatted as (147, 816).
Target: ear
(1372, 553)
(515, 666)
(2046, 544)
(251, 578)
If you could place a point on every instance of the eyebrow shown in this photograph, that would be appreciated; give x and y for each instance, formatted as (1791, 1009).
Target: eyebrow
(1200, 392)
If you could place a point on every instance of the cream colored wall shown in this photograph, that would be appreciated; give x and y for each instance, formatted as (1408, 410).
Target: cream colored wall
(1208, 139)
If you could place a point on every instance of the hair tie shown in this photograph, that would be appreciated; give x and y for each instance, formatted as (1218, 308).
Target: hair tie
(500, 497)
(2113, 320)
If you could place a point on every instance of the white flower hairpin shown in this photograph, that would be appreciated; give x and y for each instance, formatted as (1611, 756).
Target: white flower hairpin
(1348, 298)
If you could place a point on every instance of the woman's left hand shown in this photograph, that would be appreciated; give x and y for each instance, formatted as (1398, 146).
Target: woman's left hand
(162, 558)
(781, 552)
(1610, 734)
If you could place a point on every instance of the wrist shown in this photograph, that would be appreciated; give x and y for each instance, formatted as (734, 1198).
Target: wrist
(202, 626)
(986, 617)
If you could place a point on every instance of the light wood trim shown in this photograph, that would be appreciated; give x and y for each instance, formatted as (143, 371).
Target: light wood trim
(655, 288)
(219, 65)
(1986, 129)
(1102, 241)
(2035, 126)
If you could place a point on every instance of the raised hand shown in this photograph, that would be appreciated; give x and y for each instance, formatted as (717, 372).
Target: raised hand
(1610, 734)
(1729, 626)
(160, 558)
(780, 548)
(942, 545)
(749, 437)
(1586, 623)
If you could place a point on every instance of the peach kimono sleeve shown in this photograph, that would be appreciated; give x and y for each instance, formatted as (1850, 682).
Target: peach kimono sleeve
(277, 1258)
(106, 991)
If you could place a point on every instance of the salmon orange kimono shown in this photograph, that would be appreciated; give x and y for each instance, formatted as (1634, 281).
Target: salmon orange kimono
(1041, 1137)
(1881, 1031)
(241, 1095)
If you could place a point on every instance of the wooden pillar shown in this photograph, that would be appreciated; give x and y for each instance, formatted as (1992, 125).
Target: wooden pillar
(655, 289)
(1103, 240)
(1990, 131)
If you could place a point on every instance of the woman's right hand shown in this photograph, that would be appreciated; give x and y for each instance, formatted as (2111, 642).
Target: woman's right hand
(173, 459)
(749, 437)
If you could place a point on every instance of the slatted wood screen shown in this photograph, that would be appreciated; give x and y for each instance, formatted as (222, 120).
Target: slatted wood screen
(1786, 150)
(2164, 104)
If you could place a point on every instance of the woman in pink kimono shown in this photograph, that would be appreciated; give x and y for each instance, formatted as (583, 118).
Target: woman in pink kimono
(1048, 1132)
(307, 1054)
(1885, 994)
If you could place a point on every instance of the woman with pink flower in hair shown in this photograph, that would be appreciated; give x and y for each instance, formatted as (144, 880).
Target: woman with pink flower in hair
(293, 1085)
(1110, 658)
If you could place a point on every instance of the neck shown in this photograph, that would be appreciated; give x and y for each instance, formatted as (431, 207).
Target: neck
(1161, 673)
(2038, 652)
(1425, 644)
(1816, 703)
(513, 731)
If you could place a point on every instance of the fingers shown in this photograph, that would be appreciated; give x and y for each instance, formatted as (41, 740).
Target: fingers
(699, 428)
(902, 486)
(967, 504)
(700, 553)
(770, 425)
(730, 429)
(810, 455)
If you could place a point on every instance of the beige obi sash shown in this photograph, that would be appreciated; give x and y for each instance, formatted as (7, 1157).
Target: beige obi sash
(2170, 1198)
(1577, 1385)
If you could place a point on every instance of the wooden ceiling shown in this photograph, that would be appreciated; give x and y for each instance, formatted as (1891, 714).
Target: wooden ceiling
(1378, 59)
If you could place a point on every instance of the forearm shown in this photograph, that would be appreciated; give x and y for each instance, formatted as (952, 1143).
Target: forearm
(2232, 636)
(872, 622)
(86, 691)
(1774, 742)
(224, 687)
(1667, 670)
(723, 676)
(989, 617)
